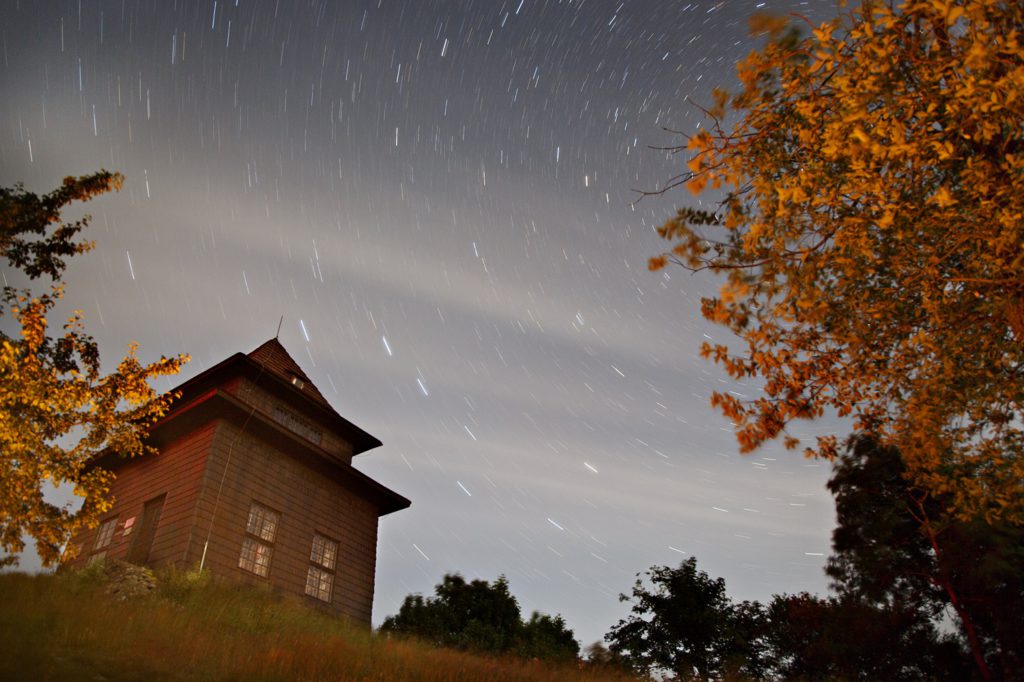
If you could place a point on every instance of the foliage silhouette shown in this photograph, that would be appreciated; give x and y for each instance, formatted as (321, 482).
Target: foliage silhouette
(918, 594)
(483, 617)
(895, 549)
(685, 624)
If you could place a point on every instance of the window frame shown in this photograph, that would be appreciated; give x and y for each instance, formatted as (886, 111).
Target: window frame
(258, 539)
(323, 562)
(104, 538)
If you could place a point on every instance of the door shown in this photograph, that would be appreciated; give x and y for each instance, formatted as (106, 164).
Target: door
(142, 543)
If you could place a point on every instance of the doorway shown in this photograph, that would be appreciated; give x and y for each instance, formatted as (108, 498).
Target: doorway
(142, 543)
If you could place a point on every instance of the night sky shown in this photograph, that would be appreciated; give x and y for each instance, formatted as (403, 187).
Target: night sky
(438, 198)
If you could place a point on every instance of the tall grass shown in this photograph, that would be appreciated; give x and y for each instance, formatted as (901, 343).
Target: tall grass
(67, 628)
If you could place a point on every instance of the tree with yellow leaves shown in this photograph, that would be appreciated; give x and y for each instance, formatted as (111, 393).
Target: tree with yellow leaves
(871, 238)
(57, 411)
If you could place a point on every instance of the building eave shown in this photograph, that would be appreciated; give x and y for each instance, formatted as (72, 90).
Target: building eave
(218, 404)
(240, 364)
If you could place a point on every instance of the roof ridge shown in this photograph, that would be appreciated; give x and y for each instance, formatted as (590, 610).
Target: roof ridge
(275, 358)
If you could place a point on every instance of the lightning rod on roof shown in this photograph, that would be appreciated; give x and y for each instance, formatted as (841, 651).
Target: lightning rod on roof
(279, 323)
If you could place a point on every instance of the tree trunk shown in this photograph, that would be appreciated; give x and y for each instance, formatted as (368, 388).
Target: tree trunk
(977, 653)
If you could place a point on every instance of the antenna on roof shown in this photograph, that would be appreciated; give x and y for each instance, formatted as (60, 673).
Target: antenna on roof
(279, 323)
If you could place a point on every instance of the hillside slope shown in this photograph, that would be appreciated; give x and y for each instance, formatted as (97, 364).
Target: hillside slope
(70, 627)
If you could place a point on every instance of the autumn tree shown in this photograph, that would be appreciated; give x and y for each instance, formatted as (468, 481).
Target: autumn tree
(870, 237)
(57, 409)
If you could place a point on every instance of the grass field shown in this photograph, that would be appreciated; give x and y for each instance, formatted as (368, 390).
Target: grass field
(67, 627)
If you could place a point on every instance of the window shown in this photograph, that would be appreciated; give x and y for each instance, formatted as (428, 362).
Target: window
(324, 551)
(320, 577)
(319, 583)
(104, 536)
(258, 543)
(297, 425)
(262, 522)
(255, 557)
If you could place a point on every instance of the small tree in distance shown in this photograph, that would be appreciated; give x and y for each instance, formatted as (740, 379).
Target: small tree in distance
(57, 410)
(483, 617)
(547, 638)
(598, 656)
(685, 624)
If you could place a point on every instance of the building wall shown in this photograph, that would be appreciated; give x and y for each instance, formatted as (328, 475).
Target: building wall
(307, 500)
(265, 402)
(176, 471)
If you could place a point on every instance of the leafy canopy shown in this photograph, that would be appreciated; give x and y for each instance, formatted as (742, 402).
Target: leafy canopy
(685, 624)
(871, 238)
(484, 617)
(57, 410)
(843, 638)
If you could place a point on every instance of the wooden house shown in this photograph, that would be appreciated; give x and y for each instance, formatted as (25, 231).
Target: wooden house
(254, 482)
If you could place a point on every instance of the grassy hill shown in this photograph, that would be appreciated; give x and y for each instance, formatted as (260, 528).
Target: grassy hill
(69, 627)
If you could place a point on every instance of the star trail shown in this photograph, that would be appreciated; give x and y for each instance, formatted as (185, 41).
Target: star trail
(440, 197)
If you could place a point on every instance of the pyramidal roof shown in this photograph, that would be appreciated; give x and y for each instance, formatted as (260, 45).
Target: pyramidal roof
(274, 358)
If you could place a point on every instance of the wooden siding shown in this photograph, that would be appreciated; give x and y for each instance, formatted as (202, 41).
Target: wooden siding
(176, 471)
(265, 402)
(223, 450)
(308, 501)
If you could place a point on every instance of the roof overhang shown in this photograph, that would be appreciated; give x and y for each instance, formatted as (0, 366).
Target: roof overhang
(240, 364)
(196, 408)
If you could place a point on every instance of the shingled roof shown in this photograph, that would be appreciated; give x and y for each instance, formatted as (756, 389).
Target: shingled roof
(276, 359)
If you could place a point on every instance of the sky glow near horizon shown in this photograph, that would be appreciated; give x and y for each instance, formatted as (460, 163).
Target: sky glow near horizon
(438, 198)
